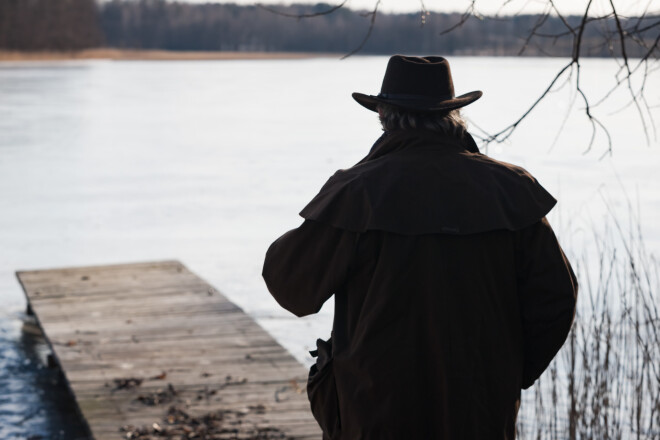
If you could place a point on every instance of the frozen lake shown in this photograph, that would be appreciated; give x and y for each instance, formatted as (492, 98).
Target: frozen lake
(208, 162)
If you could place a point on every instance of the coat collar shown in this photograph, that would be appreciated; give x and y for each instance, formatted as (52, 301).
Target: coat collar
(392, 141)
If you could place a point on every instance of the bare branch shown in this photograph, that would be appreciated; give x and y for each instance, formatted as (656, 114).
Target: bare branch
(613, 33)
(518, 13)
(502, 6)
(595, 122)
(566, 116)
(576, 60)
(424, 12)
(644, 29)
(532, 33)
(505, 133)
(464, 17)
(310, 15)
(578, 39)
(571, 30)
(622, 37)
(650, 114)
(642, 62)
(561, 17)
(372, 22)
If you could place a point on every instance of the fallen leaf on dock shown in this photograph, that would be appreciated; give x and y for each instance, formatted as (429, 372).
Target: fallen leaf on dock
(221, 424)
(160, 376)
(159, 397)
(127, 383)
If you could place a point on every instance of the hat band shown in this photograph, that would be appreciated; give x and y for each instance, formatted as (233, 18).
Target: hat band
(405, 97)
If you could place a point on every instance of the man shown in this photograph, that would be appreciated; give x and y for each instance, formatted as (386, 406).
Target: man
(451, 291)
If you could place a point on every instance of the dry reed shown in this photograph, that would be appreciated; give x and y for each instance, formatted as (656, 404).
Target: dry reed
(605, 382)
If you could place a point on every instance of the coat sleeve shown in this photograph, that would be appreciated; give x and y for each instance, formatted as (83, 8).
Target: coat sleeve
(305, 266)
(547, 289)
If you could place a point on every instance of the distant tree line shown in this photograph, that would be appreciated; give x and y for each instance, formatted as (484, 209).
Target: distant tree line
(56, 25)
(157, 24)
(171, 25)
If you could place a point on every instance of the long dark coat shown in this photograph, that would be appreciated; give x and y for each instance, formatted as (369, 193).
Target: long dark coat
(451, 291)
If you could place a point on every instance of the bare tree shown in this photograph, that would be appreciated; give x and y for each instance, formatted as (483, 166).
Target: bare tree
(617, 34)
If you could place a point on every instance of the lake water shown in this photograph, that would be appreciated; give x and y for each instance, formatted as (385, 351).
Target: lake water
(208, 162)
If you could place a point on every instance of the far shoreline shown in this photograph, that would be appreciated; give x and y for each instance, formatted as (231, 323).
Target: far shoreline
(155, 55)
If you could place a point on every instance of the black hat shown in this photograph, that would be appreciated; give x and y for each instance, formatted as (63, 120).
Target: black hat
(418, 84)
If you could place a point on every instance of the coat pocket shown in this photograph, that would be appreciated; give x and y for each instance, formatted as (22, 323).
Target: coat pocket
(322, 390)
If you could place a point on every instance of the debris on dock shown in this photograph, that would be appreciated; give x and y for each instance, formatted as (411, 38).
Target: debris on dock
(150, 350)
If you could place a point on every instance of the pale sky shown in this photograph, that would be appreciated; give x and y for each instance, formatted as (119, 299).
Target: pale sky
(624, 7)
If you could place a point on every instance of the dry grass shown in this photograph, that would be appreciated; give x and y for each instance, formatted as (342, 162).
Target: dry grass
(156, 55)
(605, 382)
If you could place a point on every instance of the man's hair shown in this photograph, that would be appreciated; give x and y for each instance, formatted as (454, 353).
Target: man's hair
(446, 122)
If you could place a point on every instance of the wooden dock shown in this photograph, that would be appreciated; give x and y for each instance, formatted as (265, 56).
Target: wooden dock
(151, 350)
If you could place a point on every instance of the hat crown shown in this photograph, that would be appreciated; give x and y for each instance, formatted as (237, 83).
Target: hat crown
(421, 84)
(428, 77)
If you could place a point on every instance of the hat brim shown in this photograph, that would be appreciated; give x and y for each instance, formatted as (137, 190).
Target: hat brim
(422, 105)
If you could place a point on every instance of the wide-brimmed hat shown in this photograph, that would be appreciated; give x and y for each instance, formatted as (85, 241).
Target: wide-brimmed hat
(418, 84)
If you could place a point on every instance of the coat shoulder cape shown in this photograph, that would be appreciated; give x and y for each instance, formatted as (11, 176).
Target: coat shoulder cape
(420, 184)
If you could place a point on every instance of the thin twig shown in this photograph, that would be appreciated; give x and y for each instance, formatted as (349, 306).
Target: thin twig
(308, 15)
(424, 12)
(532, 33)
(561, 17)
(464, 17)
(624, 54)
(372, 22)
(505, 133)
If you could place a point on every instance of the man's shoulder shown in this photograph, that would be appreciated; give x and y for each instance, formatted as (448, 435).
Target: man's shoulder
(419, 192)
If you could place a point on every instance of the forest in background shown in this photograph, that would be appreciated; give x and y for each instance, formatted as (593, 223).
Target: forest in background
(63, 25)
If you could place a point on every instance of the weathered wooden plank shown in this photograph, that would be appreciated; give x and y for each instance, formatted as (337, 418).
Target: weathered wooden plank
(189, 346)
